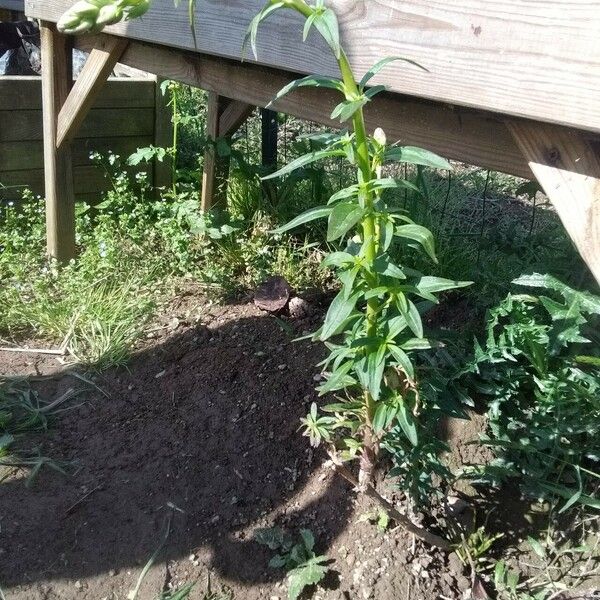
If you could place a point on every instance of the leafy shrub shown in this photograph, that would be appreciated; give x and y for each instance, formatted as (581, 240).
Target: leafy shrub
(540, 367)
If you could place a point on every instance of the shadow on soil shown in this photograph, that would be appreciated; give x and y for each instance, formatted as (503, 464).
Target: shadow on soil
(207, 420)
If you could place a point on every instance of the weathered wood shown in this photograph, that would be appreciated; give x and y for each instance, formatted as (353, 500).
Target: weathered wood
(234, 116)
(25, 93)
(60, 200)
(539, 60)
(214, 107)
(568, 168)
(27, 125)
(474, 137)
(93, 76)
(16, 5)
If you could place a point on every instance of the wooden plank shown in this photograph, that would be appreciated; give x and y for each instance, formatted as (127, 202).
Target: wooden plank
(471, 136)
(27, 125)
(87, 87)
(25, 156)
(58, 182)
(539, 60)
(25, 93)
(215, 104)
(568, 168)
(14, 5)
(88, 181)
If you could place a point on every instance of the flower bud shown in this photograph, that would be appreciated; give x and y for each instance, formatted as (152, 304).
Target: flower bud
(379, 136)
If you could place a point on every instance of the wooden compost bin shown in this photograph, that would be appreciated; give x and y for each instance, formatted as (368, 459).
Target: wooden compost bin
(128, 114)
(510, 85)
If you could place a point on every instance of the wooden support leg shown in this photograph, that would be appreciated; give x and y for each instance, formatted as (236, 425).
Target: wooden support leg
(98, 66)
(269, 133)
(568, 169)
(60, 200)
(223, 118)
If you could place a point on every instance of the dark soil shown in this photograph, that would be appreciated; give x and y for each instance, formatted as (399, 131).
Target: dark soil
(204, 419)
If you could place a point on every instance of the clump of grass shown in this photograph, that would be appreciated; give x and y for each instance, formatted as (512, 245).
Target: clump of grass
(23, 413)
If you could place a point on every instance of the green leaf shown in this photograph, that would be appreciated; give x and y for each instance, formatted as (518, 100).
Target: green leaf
(252, 31)
(327, 25)
(372, 92)
(310, 215)
(343, 217)
(419, 234)
(412, 316)
(375, 368)
(345, 110)
(338, 259)
(309, 81)
(310, 573)
(419, 344)
(349, 192)
(536, 547)
(308, 538)
(383, 63)
(302, 161)
(431, 285)
(384, 266)
(381, 418)
(338, 380)
(338, 312)
(407, 423)
(272, 537)
(403, 360)
(416, 156)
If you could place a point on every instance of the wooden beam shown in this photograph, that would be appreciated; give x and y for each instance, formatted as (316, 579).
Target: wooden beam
(475, 137)
(533, 59)
(95, 72)
(568, 169)
(60, 201)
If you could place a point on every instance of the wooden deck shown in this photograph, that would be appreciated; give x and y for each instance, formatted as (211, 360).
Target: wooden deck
(512, 85)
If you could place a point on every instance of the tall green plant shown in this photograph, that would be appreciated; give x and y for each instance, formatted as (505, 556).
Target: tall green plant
(376, 316)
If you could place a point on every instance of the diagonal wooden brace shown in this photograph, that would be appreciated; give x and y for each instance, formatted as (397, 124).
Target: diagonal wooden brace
(567, 167)
(95, 72)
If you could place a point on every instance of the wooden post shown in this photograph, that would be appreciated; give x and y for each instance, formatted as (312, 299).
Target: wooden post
(269, 131)
(568, 168)
(210, 154)
(60, 201)
(223, 118)
(163, 137)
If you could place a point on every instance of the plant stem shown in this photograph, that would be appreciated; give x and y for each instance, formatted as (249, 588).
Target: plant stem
(402, 520)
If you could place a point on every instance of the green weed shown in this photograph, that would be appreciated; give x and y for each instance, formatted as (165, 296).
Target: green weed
(540, 368)
(303, 566)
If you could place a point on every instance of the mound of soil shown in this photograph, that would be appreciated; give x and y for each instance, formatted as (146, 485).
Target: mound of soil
(201, 431)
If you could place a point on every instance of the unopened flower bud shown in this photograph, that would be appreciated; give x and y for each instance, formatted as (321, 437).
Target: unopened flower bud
(379, 136)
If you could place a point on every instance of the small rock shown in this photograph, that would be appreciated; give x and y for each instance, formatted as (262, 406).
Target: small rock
(299, 308)
(159, 375)
(78, 585)
(282, 367)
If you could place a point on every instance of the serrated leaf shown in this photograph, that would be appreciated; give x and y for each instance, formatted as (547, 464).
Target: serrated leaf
(319, 212)
(305, 575)
(343, 217)
(416, 156)
(302, 161)
(308, 538)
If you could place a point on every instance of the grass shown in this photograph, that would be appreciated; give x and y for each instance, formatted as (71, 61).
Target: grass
(23, 413)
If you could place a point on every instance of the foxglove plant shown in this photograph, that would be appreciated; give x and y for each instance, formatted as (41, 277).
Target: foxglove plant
(373, 326)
